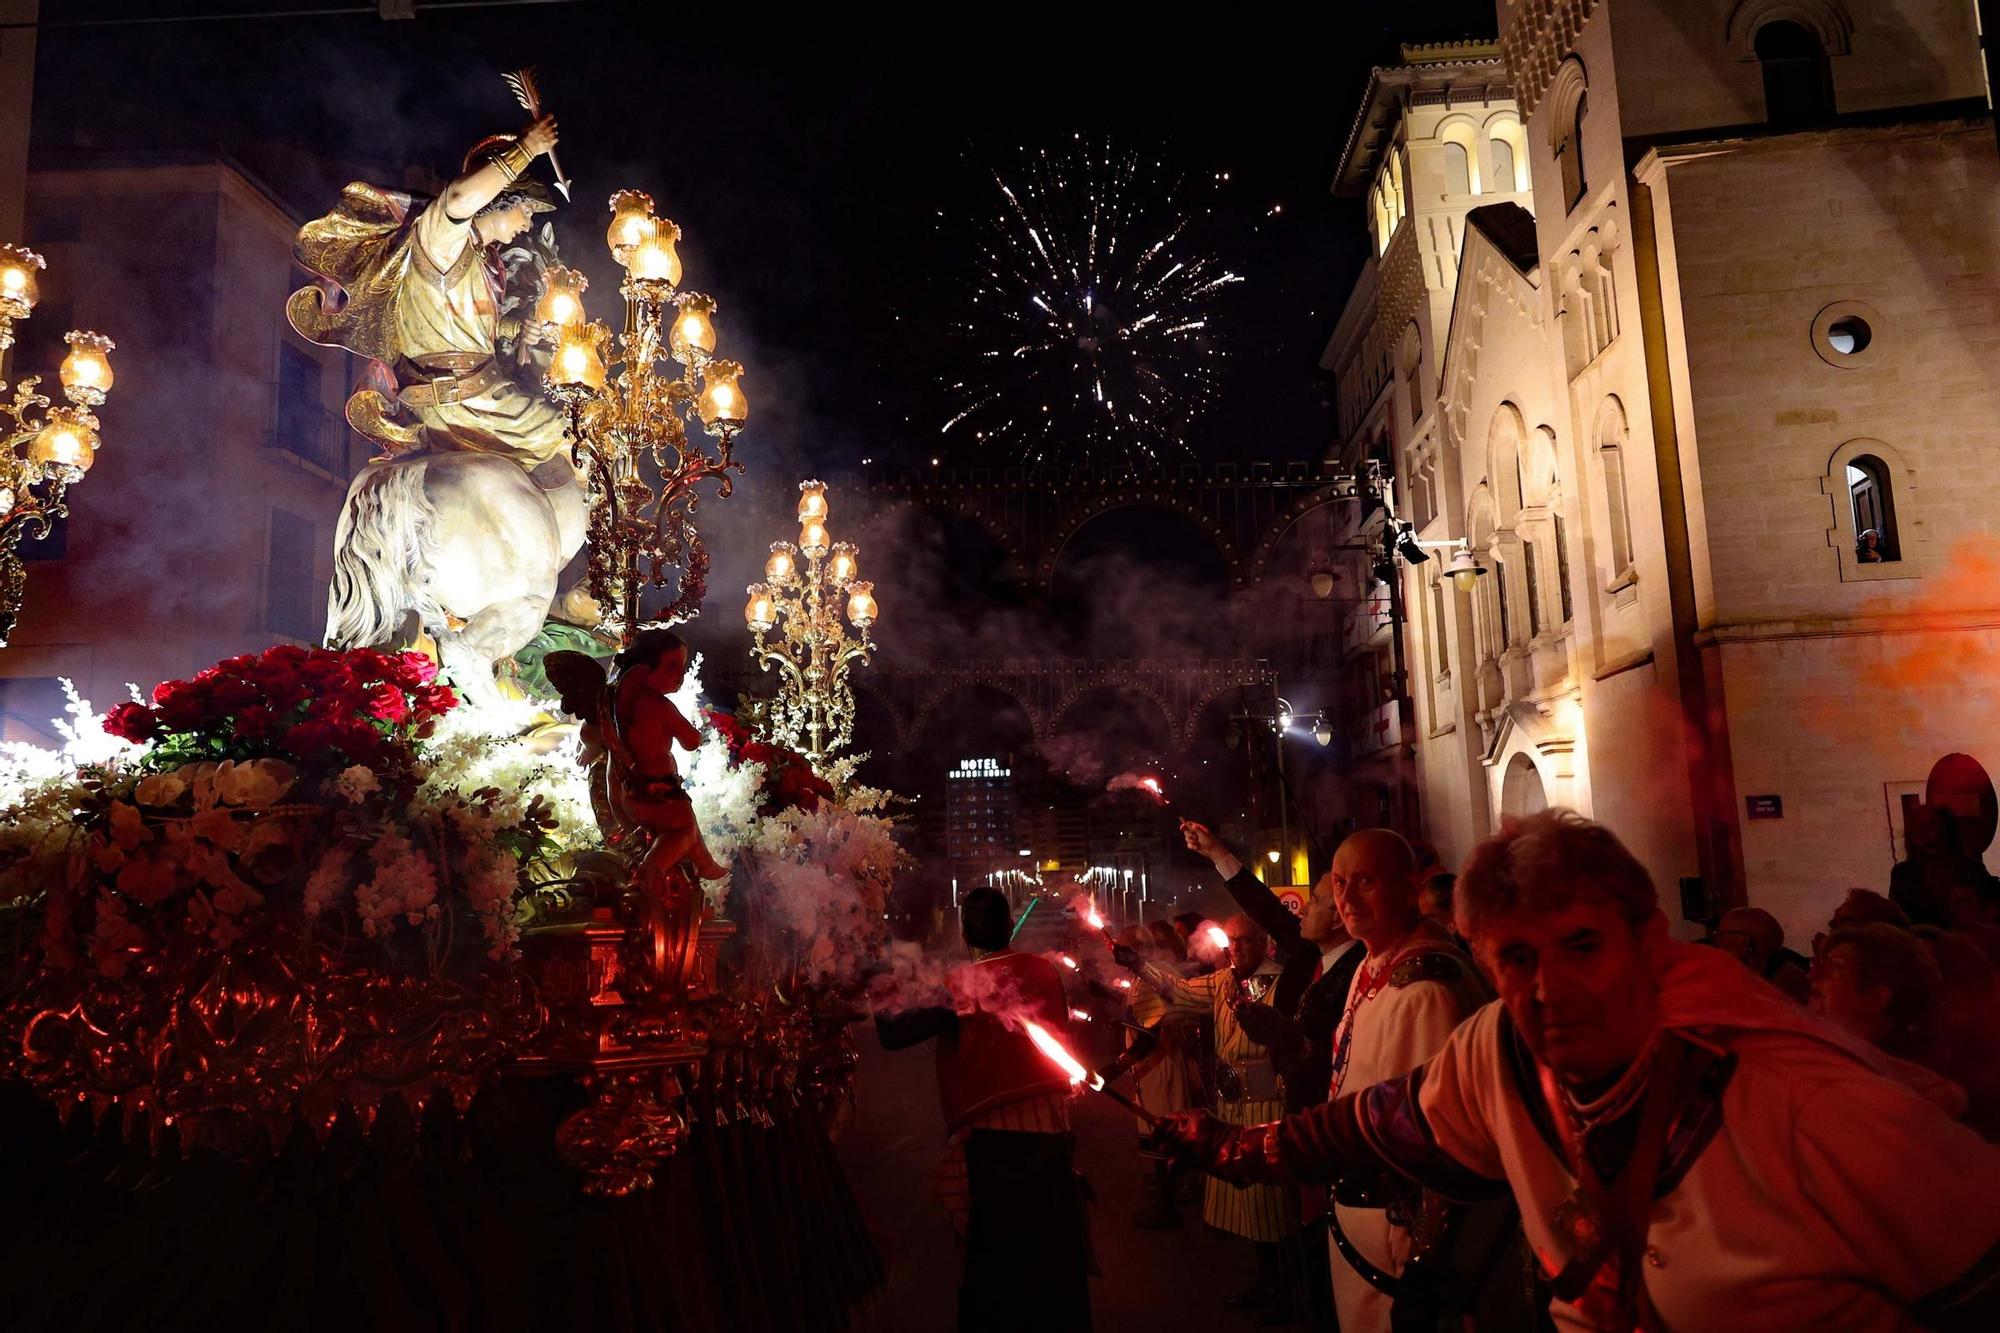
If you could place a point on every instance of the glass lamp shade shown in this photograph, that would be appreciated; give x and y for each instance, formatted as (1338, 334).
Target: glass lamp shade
(561, 301)
(577, 364)
(19, 286)
(843, 567)
(86, 371)
(1464, 570)
(760, 613)
(812, 500)
(654, 258)
(631, 222)
(67, 444)
(1321, 581)
(692, 339)
(812, 537)
(783, 561)
(1323, 733)
(722, 407)
(861, 608)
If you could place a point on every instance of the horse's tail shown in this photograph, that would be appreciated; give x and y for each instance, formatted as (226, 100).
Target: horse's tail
(381, 553)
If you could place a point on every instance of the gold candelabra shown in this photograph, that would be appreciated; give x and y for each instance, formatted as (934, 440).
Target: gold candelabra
(61, 441)
(813, 710)
(628, 407)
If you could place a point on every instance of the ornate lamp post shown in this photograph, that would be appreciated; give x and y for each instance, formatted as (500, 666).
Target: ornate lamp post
(61, 441)
(813, 711)
(627, 407)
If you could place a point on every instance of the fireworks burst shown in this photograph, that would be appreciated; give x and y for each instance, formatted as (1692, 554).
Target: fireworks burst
(1090, 319)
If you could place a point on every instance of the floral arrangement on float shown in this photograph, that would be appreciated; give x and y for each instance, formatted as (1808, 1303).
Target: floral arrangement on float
(307, 880)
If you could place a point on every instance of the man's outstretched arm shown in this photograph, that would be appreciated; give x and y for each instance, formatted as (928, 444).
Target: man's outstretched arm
(1378, 1131)
(1251, 894)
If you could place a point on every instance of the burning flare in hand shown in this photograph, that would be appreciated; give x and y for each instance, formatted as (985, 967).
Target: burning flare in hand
(1059, 1056)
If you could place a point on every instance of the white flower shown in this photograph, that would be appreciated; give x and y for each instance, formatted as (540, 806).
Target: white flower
(254, 782)
(357, 784)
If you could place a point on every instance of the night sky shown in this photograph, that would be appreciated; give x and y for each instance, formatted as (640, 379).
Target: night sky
(824, 174)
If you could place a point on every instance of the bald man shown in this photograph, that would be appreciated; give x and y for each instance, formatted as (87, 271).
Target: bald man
(1754, 938)
(1415, 987)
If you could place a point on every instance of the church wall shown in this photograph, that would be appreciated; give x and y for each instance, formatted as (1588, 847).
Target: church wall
(1691, 64)
(1842, 680)
(1840, 728)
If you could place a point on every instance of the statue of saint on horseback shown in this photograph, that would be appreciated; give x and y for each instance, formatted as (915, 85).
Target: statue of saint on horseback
(462, 523)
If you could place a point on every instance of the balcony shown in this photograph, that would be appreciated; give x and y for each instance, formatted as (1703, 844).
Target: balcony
(313, 436)
(1367, 626)
(1381, 729)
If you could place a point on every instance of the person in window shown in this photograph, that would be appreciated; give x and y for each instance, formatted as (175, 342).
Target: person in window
(1868, 547)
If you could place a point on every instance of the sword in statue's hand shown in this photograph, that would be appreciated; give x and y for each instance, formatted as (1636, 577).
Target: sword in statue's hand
(522, 81)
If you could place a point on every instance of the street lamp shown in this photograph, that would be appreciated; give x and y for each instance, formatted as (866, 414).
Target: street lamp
(61, 442)
(640, 535)
(813, 710)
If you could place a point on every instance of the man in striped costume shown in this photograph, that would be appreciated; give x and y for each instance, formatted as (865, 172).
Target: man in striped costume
(1247, 1093)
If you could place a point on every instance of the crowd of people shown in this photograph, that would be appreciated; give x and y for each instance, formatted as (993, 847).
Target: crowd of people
(1640, 1134)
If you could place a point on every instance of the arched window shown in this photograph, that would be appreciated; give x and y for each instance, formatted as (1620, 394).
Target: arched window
(1874, 507)
(1562, 571)
(1611, 459)
(1798, 81)
(1503, 164)
(1457, 169)
(1509, 145)
(1569, 155)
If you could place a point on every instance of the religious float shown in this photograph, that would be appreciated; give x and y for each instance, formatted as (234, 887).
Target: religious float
(414, 981)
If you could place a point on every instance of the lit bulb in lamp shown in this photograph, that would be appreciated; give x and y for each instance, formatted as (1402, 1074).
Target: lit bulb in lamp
(19, 288)
(812, 500)
(654, 258)
(723, 408)
(67, 445)
(578, 365)
(784, 559)
(631, 222)
(812, 537)
(861, 609)
(1464, 570)
(561, 301)
(842, 568)
(86, 371)
(693, 337)
(760, 613)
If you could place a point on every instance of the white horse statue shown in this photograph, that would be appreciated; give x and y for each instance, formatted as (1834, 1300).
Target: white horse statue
(464, 546)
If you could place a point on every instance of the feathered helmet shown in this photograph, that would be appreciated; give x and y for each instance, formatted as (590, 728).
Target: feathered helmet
(525, 190)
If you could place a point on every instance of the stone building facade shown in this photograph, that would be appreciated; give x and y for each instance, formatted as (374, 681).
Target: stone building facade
(205, 528)
(1751, 317)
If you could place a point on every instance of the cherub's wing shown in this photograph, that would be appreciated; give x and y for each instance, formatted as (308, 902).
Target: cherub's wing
(579, 679)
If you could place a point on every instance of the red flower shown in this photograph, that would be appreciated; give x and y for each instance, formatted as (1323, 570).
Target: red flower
(432, 700)
(287, 655)
(413, 669)
(386, 702)
(325, 671)
(255, 724)
(132, 722)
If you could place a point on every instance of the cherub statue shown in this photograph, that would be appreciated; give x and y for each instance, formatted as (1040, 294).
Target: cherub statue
(631, 727)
